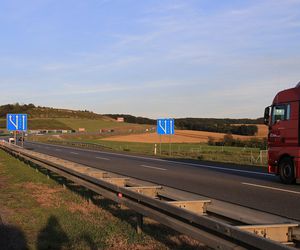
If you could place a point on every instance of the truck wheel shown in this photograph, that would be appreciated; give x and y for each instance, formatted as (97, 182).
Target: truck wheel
(287, 174)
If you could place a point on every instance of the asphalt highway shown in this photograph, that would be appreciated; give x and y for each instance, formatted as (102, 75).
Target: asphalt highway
(250, 187)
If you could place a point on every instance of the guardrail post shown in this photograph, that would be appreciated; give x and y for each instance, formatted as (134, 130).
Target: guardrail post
(89, 197)
(139, 224)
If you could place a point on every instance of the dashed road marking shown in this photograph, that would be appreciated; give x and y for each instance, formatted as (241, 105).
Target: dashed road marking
(271, 188)
(146, 166)
(102, 158)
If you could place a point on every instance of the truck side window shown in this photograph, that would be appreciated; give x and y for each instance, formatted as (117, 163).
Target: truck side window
(281, 112)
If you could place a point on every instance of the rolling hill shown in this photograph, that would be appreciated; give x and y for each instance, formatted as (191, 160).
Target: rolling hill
(52, 118)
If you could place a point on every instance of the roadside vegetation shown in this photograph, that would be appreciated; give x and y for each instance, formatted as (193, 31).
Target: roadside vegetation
(37, 213)
(228, 140)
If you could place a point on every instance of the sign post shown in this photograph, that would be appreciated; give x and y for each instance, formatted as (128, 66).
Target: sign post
(166, 127)
(16, 123)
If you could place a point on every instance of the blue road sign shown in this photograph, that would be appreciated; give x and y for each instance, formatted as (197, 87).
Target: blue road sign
(165, 126)
(16, 122)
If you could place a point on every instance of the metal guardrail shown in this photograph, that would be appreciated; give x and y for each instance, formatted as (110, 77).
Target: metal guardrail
(89, 145)
(187, 217)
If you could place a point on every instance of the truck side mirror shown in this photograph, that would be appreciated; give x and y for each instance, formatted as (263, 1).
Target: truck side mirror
(267, 115)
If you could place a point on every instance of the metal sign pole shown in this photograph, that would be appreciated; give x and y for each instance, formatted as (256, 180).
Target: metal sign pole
(15, 137)
(170, 150)
(160, 144)
(22, 141)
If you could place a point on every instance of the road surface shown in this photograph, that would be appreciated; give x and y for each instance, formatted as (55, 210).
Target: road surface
(246, 186)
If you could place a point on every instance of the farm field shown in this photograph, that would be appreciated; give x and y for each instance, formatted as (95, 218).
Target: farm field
(262, 130)
(183, 136)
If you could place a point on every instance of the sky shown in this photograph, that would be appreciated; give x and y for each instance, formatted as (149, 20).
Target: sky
(151, 58)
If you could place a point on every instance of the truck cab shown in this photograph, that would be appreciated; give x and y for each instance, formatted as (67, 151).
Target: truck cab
(283, 120)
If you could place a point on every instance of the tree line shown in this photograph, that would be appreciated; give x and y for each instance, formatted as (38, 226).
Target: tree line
(15, 108)
(46, 112)
(228, 140)
(227, 126)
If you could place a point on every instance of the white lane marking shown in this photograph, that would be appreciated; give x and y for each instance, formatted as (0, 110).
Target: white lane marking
(57, 149)
(272, 188)
(168, 161)
(228, 169)
(146, 166)
(102, 158)
(74, 153)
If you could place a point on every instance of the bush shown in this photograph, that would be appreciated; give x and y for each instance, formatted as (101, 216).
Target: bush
(228, 140)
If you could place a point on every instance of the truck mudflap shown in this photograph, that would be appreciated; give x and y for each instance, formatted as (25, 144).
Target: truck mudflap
(272, 169)
(297, 168)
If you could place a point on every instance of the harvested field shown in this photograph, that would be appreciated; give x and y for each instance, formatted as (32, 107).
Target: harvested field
(181, 136)
(262, 130)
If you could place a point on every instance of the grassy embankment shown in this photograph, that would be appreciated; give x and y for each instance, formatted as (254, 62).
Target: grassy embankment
(40, 214)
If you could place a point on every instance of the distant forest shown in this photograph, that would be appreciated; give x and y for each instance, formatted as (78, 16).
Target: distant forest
(228, 126)
(15, 108)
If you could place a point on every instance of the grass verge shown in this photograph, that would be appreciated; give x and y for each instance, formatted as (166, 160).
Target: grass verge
(39, 214)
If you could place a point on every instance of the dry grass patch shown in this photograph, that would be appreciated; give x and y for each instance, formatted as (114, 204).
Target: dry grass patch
(44, 195)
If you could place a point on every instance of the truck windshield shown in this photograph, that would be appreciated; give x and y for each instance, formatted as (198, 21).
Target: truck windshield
(281, 112)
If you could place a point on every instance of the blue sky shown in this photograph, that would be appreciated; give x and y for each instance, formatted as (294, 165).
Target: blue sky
(154, 58)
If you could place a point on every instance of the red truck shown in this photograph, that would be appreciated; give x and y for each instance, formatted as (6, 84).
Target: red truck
(283, 119)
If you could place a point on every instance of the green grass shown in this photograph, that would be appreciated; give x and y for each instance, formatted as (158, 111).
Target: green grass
(2, 123)
(91, 125)
(46, 123)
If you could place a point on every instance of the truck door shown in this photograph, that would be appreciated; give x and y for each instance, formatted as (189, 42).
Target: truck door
(283, 130)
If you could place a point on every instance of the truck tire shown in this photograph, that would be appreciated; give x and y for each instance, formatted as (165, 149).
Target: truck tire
(286, 169)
